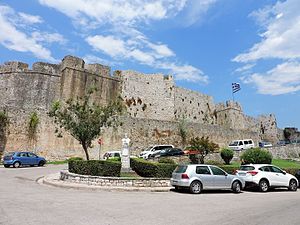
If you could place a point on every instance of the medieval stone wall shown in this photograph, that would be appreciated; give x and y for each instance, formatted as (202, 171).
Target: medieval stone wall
(148, 96)
(154, 105)
(24, 91)
(194, 106)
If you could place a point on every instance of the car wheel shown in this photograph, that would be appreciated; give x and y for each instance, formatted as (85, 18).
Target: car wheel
(236, 187)
(6, 166)
(196, 187)
(177, 188)
(263, 186)
(293, 185)
(16, 164)
(41, 163)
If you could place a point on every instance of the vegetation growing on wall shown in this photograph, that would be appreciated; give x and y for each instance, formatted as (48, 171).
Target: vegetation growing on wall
(4, 123)
(33, 126)
(84, 119)
(183, 132)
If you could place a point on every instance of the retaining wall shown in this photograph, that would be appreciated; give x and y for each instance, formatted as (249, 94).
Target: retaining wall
(114, 181)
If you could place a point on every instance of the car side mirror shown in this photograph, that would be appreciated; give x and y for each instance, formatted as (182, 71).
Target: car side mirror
(284, 172)
(226, 175)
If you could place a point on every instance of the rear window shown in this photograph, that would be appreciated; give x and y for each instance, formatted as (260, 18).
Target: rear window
(10, 154)
(180, 169)
(247, 168)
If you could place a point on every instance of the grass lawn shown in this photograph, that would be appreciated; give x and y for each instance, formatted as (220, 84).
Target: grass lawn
(57, 162)
(282, 163)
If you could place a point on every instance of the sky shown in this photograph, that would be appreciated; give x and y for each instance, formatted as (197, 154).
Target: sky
(205, 44)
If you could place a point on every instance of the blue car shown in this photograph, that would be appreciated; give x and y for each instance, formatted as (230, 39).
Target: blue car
(17, 159)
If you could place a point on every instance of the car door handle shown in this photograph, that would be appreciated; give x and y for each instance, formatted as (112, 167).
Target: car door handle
(277, 174)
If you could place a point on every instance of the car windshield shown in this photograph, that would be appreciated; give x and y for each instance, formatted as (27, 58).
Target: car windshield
(180, 169)
(148, 149)
(247, 168)
(235, 143)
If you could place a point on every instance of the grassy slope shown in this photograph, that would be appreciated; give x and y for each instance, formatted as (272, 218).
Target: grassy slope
(282, 163)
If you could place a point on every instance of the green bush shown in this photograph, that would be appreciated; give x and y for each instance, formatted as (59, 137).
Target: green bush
(227, 155)
(256, 156)
(151, 169)
(166, 160)
(229, 169)
(114, 159)
(74, 158)
(95, 168)
(213, 162)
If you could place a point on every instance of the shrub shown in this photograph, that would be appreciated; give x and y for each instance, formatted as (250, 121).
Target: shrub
(151, 169)
(213, 162)
(229, 169)
(227, 155)
(114, 159)
(166, 160)
(256, 156)
(74, 158)
(95, 168)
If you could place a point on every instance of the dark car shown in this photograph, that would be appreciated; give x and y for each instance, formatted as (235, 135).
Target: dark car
(17, 159)
(171, 152)
(298, 177)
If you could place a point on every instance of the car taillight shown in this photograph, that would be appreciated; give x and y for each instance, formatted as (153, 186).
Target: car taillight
(184, 176)
(253, 173)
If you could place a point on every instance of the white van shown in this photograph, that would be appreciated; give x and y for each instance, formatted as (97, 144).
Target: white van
(153, 150)
(238, 145)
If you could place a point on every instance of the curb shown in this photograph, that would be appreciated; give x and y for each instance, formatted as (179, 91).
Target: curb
(53, 180)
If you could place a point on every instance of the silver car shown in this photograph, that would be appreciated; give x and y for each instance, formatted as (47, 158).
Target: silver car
(198, 177)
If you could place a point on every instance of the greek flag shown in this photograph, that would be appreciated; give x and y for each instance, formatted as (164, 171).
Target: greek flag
(235, 87)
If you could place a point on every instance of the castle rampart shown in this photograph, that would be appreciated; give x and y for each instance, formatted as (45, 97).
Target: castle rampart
(154, 107)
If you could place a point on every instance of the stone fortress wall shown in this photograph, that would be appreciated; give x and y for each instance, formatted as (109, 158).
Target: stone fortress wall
(154, 106)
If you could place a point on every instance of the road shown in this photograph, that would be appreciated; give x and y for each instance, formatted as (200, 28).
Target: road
(24, 201)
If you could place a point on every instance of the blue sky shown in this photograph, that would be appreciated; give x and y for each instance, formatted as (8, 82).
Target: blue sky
(205, 44)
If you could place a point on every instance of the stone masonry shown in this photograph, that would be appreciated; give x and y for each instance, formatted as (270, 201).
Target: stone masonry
(154, 107)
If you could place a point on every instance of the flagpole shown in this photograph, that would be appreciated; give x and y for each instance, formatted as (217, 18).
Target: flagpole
(233, 96)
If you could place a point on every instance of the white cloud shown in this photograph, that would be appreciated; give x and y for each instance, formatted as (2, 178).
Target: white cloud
(110, 45)
(117, 11)
(161, 50)
(185, 72)
(281, 36)
(95, 59)
(245, 69)
(48, 37)
(14, 39)
(280, 39)
(30, 19)
(284, 78)
(120, 22)
(195, 10)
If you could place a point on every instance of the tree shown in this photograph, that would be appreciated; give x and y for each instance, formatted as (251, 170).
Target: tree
(84, 119)
(203, 146)
(227, 155)
(182, 129)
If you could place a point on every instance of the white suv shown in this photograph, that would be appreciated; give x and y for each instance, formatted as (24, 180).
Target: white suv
(153, 150)
(265, 176)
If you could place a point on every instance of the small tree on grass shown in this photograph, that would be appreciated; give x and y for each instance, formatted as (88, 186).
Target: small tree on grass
(227, 155)
(84, 119)
(203, 146)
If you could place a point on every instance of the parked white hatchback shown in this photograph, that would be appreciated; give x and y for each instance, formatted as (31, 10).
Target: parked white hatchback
(265, 176)
(198, 177)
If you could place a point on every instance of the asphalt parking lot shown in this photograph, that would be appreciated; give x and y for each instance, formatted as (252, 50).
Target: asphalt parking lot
(24, 201)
